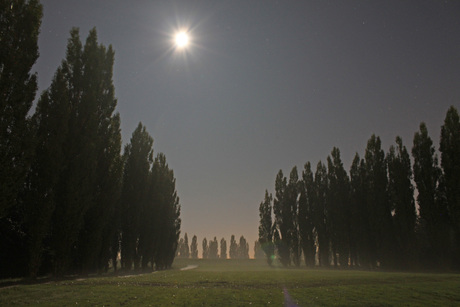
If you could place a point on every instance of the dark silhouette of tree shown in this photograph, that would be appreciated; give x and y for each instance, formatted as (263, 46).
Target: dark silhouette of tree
(338, 207)
(213, 249)
(19, 30)
(450, 162)
(243, 249)
(233, 248)
(401, 197)
(258, 251)
(138, 159)
(223, 249)
(167, 222)
(432, 205)
(50, 123)
(266, 228)
(292, 206)
(320, 214)
(377, 199)
(305, 218)
(205, 249)
(194, 248)
(186, 247)
(360, 223)
(283, 219)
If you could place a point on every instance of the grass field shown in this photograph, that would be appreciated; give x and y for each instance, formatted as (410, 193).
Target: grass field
(241, 283)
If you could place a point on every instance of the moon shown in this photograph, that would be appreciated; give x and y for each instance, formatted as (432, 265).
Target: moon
(181, 39)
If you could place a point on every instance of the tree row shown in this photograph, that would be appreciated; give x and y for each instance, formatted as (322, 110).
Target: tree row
(210, 250)
(70, 202)
(388, 211)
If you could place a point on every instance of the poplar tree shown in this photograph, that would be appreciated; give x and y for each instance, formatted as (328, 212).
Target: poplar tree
(194, 248)
(138, 157)
(243, 249)
(292, 208)
(305, 218)
(401, 197)
(432, 205)
(223, 249)
(266, 228)
(205, 249)
(382, 232)
(283, 219)
(19, 29)
(233, 248)
(213, 249)
(50, 123)
(320, 214)
(360, 225)
(450, 162)
(167, 220)
(338, 209)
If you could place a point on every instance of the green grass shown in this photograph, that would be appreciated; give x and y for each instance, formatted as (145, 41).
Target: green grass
(242, 283)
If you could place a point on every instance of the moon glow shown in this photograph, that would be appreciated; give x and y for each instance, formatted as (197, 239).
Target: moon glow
(181, 39)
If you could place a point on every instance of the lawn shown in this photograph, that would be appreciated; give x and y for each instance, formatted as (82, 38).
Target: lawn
(242, 283)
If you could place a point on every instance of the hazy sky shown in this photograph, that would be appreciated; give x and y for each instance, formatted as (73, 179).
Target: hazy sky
(265, 85)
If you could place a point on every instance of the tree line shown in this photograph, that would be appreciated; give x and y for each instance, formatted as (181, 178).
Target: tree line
(210, 250)
(70, 201)
(388, 211)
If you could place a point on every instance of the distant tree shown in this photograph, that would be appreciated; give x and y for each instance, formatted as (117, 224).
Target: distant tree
(266, 228)
(283, 219)
(183, 247)
(19, 30)
(243, 249)
(258, 251)
(401, 197)
(305, 218)
(432, 205)
(223, 249)
(205, 248)
(180, 248)
(213, 249)
(194, 248)
(450, 162)
(233, 248)
(338, 207)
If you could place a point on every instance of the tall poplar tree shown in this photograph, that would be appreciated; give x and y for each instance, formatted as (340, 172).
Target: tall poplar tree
(432, 205)
(19, 29)
(283, 219)
(338, 209)
(360, 223)
(138, 157)
(223, 249)
(205, 249)
(194, 248)
(320, 214)
(266, 228)
(401, 197)
(167, 220)
(450, 162)
(50, 123)
(382, 232)
(306, 223)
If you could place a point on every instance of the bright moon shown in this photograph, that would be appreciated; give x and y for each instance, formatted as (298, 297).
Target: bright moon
(181, 39)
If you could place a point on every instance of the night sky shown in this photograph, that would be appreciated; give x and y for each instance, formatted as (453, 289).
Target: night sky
(265, 85)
